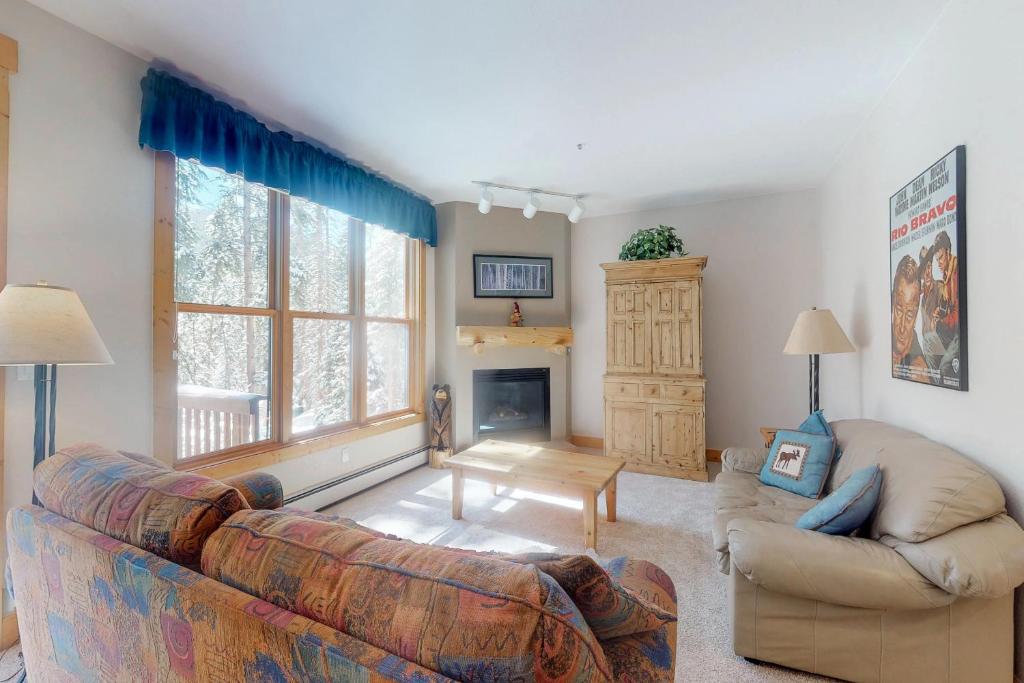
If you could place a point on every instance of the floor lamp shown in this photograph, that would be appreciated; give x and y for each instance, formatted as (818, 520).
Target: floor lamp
(46, 326)
(816, 332)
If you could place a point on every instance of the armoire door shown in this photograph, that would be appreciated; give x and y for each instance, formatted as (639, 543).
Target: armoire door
(629, 329)
(677, 435)
(626, 431)
(675, 328)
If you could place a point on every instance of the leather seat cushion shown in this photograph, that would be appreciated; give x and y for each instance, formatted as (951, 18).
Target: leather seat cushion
(742, 495)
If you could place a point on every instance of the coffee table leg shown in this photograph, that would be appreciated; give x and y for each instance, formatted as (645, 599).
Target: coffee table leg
(495, 488)
(457, 488)
(609, 497)
(590, 519)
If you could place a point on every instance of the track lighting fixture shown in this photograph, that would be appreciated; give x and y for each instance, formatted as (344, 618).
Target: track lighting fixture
(486, 199)
(530, 210)
(532, 204)
(577, 212)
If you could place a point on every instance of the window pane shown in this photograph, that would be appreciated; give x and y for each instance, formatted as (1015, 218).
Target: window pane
(221, 238)
(318, 258)
(387, 367)
(223, 381)
(385, 272)
(322, 373)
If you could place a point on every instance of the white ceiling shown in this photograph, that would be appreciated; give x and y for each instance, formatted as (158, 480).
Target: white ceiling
(675, 101)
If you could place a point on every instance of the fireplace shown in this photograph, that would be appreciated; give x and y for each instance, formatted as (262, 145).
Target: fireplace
(513, 405)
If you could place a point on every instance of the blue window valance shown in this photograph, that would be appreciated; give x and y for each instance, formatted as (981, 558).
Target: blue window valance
(179, 118)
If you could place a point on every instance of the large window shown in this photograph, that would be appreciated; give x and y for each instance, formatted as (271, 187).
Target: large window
(276, 320)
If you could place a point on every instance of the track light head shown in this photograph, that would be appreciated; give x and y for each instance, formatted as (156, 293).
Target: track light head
(576, 213)
(486, 200)
(530, 210)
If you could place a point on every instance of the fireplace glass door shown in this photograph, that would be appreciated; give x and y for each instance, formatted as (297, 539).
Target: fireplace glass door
(512, 405)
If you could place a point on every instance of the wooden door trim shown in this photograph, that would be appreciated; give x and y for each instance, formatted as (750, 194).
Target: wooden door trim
(8, 66)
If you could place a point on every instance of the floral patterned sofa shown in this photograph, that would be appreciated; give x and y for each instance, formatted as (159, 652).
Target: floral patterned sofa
(134, 572)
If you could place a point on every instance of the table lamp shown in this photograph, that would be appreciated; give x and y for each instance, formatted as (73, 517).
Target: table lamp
(47, 326)
(815, 332)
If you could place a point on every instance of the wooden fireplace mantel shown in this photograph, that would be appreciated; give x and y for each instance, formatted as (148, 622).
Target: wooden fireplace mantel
(554, 339)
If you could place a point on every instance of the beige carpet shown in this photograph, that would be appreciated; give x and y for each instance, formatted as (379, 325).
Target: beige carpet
(664, 520)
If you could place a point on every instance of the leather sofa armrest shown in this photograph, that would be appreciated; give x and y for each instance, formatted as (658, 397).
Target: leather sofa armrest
(980, 560)
(748, 460)
(856, 572)
(261, 491)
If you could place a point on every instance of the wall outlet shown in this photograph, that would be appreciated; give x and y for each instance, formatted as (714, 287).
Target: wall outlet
(26, 373)
(344, 456)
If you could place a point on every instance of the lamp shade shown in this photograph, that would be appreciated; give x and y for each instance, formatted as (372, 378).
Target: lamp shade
(41, 325)
(816, 331)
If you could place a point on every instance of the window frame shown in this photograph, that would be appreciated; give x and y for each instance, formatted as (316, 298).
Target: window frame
(283, 444)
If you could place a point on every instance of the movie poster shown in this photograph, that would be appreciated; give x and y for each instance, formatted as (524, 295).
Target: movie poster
(928, 275)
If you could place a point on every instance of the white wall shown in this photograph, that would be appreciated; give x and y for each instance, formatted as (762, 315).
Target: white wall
(962, 87)
(81, 215)
(762, 270)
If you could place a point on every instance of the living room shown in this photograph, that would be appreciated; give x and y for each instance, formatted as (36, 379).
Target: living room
(473, 303)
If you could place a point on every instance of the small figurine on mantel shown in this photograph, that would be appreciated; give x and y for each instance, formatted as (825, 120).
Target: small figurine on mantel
(516, 319)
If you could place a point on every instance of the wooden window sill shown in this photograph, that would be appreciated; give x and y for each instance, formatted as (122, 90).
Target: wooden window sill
(264, 455)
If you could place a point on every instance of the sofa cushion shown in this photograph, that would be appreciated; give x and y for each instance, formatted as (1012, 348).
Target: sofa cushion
(927, 488)
(261, 491)
(742, 495)
(170, 514)
(469, 617)
(611, 609)
(844, 510)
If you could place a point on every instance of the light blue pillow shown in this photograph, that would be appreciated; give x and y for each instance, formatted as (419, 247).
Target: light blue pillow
(846, 508)
(815, 423)
(799, 462)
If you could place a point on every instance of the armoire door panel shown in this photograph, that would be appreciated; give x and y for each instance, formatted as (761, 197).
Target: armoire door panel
(629, 329)
(677, 433)
(675, 328)
(627, 431)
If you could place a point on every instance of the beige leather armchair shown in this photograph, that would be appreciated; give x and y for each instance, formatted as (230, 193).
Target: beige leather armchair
(924, 593)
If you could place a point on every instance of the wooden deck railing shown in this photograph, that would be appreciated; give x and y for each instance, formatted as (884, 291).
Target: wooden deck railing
(214, 419)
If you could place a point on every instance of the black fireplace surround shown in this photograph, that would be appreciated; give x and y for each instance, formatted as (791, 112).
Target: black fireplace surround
(512, 405)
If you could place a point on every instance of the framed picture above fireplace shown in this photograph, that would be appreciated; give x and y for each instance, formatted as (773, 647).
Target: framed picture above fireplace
(512, 277)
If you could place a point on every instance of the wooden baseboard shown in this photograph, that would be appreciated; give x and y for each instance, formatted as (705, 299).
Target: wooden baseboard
(9, 630)
(586, 441)
(713, 455)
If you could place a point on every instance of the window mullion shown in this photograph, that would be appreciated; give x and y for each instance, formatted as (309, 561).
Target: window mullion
(285, 347)
(358, 269)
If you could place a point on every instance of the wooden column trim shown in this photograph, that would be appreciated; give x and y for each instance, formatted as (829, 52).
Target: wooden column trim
(165, 367)
(8, 54)
(8, 66)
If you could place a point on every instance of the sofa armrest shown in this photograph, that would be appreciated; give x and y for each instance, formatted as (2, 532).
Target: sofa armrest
(261, 491)
(749, 460)
(856, 572)
(980, 560)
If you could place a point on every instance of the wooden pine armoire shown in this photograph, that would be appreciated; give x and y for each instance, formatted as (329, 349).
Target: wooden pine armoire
(654, 377)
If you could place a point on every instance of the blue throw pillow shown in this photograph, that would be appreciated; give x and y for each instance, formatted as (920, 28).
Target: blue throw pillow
(817, 424)
(799, 462)
(848, 507)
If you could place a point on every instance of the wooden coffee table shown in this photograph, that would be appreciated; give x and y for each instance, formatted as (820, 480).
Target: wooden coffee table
(544, 470)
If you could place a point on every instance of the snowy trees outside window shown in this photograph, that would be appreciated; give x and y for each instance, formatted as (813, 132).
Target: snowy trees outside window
(292, 319)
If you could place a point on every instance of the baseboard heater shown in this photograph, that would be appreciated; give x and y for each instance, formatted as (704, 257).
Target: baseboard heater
(375, 474)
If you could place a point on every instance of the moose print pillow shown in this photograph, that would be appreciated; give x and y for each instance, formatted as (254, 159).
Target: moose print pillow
(799, 462)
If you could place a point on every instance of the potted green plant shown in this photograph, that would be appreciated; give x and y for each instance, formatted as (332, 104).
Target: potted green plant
(653, 243)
